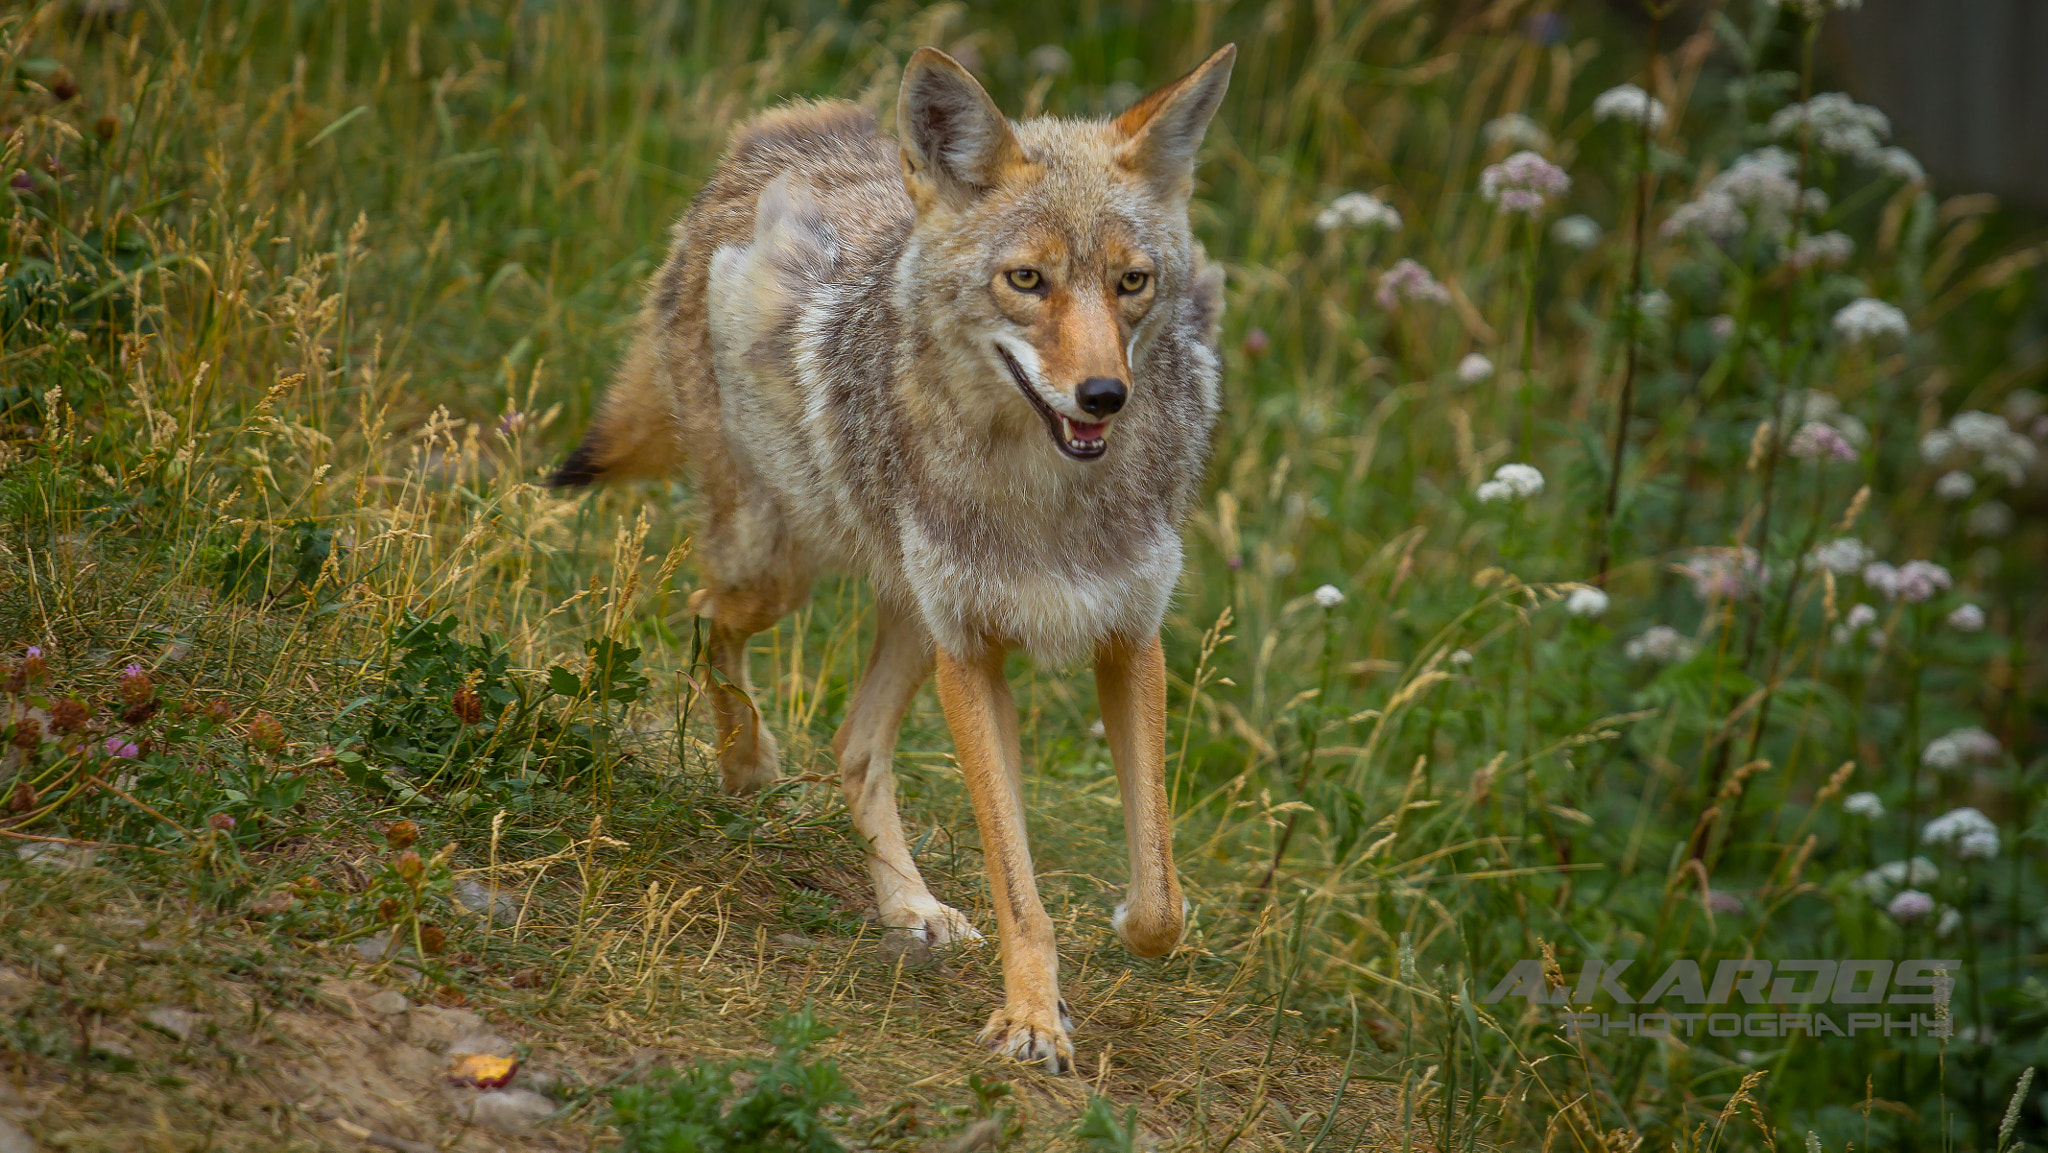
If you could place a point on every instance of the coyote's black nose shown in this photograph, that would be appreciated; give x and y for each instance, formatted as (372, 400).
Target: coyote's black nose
(1100, 395)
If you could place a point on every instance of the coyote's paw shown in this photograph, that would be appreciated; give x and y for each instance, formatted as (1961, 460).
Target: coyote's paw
(750, 765)
(1149, 934)
(1033, 1033)
(934, 922)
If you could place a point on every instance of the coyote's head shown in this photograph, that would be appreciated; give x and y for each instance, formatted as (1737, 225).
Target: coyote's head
(1046, 253)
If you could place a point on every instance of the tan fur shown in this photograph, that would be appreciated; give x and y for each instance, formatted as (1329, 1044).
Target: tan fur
(891, 359)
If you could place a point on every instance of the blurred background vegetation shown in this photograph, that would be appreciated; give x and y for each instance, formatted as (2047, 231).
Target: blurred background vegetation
(298, 301)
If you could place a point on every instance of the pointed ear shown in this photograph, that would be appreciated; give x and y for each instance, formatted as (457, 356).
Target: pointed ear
(956, 142)
(1164, 129)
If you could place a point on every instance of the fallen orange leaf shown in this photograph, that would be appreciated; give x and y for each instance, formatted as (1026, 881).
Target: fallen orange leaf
(482, 1070)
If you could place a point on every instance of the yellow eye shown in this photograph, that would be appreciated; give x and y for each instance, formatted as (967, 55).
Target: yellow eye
(1025, 279)
(1133, 281)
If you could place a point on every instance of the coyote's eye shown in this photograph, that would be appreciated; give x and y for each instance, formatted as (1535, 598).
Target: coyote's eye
(1133, 282)
(1025, 279)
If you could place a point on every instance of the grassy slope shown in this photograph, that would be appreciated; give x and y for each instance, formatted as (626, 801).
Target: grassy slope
(345, 280)
(493, 274)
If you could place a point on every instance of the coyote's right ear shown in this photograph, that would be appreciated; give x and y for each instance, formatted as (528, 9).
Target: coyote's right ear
(956, 142)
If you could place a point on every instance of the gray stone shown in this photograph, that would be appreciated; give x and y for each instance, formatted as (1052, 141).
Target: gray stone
(496, 905)
(389, 1002)
(179, 1023)
(506, 1110)
(14, 1140)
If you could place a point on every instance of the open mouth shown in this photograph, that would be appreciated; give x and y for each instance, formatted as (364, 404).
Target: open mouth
(1077, 439)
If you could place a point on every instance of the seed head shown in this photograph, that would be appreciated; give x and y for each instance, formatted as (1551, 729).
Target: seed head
(468, 707)
(408, 866)
(135, 685)
(69, 715)
(221, 822)
(401, 834)
(265, 733)
(432, 939)
(28, 733)
(32, 667)
(389, 908)
(22, 798)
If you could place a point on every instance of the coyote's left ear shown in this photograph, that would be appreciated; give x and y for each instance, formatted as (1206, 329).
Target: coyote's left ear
(1165, 128)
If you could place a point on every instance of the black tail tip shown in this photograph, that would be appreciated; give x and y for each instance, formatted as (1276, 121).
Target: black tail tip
(576, 472)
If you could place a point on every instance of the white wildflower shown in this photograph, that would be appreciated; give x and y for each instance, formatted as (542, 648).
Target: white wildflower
(1655, 304)
(1966, 619)
(1512, 482)
(1580, 232)
(1892, 874)
(1866, 805)
(1722, 326)
(1910, 905)
(1992, 518)
(1726, 573)
(1869, 319)
(1461, 658)
(1818, 439)
(1516, 130)
(1913, 582)
(1826, 250)
(1048, 60)
(1967, 832)
(1963, 746)
(1898, 164)
(2023, 405)
(1936, 446)
(1524, 182)
(1711, 214)
(1586, 601)
(1758, 187)
(1951, 920)
(1660, 644)
(1955, 485)
(1860, 616)
(1980, 431)
(1358, 210)
(1407, 280)
(1474, 368)
(1842, 556)
(1839, 124)
(1629, 104)
(1329, 596)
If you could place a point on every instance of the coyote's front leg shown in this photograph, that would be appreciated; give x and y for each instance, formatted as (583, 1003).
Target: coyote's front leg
(1130, 686)
(1032, 1025)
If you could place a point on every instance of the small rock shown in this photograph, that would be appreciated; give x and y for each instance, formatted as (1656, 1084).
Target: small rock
(13, 1140)
(389, 1002)
(52, 855)
(178, 1023)
(982, 1134)
(384, 946)
(109, 1047)
(506, 1110)
(548, 1082)
(791, 941)
(495, 905)
(908, 946)
(271, 904)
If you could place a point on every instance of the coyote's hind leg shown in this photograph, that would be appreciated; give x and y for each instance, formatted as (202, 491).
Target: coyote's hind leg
(866, 747)
(748, 759)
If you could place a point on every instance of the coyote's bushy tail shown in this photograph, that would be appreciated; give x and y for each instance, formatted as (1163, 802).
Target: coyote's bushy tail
(634, 433)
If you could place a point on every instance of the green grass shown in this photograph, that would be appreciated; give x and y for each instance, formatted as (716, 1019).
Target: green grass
(298, 302)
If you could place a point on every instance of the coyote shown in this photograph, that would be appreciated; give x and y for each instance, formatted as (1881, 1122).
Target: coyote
(977, 364)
